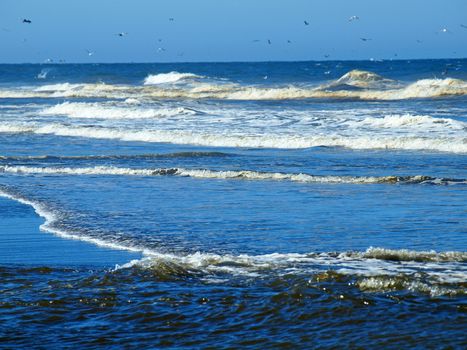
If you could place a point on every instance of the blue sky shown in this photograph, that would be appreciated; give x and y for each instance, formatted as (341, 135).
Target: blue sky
(226, 30)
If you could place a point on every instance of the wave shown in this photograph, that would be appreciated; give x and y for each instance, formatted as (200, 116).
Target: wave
(360, 79)
(171, 77)
(233, 174)
(376, 269)
(99, 111)
(452, 144)
(118, 156)
(52, 217)
(409, 121)
(369, 86)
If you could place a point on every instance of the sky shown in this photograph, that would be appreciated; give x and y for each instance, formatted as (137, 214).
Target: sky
(85, 31)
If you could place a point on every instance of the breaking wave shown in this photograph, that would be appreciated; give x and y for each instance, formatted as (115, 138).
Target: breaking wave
(452, 144)
(363, 85)
(376, 269)
(172, 77)
(409, 121)
(99, 111)
(361, 79)
(232, 174)
(119, 156)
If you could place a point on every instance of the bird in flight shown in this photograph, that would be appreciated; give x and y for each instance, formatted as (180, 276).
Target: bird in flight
(171, 19)
(365, 39)
(27, 20)
(353, 18)
(419, 41)
(269, 42)
(160, 49)
(326, 56)
(444, 31)
(122, 34)
(306, 23)
(289, 42)
(90, 53)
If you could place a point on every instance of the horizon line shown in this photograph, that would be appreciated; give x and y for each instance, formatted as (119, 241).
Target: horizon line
(260, 61)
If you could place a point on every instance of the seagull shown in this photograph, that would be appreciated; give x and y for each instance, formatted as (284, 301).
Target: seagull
(444, 30)
(289, 42)
(171, 19)
(306, 23)
(269, 42)
(27, 21)
(122, 34)
(419, 41)
(160, 49)
(365, 39)
(90, 53)
(326, 56)
(353, 18)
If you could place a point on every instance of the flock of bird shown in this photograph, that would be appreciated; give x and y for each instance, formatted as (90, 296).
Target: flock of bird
(269, 42)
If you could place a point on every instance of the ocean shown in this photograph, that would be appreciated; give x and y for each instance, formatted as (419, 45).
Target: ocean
(234, 205)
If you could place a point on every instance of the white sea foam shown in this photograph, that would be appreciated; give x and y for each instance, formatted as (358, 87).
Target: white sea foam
(59, 87)
(102, 111)
(232, 174)
(370, 87)
(171, 77)
(453, 144)
(410, 121)
(375, 267)
(51, 217)
(361, 79)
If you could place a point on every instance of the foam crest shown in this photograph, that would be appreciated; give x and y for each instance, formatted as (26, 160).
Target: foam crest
(410, 255)
(374, 272)
(171, 77)
(411, 121)
(232, 175)
(361, 79)
(99, 111)
(52, 217)
(59, 87)
(452, 144)
(365, 86)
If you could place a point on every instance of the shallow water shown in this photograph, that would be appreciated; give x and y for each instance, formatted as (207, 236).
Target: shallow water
(308, 209)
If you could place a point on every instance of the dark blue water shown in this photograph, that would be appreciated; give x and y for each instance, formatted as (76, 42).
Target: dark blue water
(278, 205)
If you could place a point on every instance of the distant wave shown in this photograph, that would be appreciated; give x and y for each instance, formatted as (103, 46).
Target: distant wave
(364, 86)
(361, 79)
(232, 175)
(172, 77)
(100, 111)
(452, 144)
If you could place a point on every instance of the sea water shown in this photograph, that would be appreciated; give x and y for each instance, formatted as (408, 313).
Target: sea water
(270, 205)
